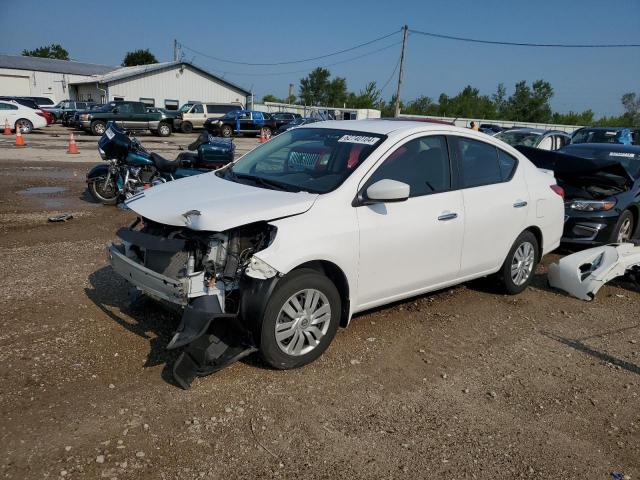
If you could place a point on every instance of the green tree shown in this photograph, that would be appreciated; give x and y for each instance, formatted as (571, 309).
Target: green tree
(574, 118)
(631, 104)
(50, 51)
(271, 98)
(530, 104)
(139, 57)
(368, 98)
(318, 89)
(500, 100)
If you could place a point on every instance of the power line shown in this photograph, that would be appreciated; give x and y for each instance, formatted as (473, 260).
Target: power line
(347, 60)
(289, 62)
(519, 44)
(391, 76)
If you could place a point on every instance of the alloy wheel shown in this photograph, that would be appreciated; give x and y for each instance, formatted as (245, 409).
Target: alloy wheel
(522, 263)
(624, 234)
(302, 322)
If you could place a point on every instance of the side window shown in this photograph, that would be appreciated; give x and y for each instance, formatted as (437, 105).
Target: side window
(257, 116)
(81, 105)
(507, 165)
(4, 106)
(125, 108)
(422, 163)
(546, 143)
(478, 163)
(197, 109)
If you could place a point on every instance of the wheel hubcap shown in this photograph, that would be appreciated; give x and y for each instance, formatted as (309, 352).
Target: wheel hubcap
(625, 231)
(522, 263)
(302, 322)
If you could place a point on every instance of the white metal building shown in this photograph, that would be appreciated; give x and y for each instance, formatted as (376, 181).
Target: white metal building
(166, 85)
(43, 77)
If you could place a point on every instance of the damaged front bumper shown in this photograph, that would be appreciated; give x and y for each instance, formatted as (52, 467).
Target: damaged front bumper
(583, 273)
(162, 268)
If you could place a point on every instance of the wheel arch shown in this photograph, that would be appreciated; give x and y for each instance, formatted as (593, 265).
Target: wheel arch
(339, 279)
(537, 232)
(635, 211)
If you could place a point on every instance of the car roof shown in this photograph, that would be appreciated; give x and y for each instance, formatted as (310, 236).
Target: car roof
(385, 127)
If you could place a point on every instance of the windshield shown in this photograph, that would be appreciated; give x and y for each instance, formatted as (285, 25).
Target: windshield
(514, 138)
(315, 160)
(599, 135)
(186, 107)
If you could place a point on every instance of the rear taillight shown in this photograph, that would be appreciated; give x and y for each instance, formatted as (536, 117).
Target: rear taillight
(558, 189)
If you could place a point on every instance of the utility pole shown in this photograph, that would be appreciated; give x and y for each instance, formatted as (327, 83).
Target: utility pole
(175, 49)
(400, 74)
(290, 93)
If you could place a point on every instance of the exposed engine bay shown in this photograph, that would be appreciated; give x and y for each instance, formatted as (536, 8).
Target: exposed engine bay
(592, 187)
(202, 272)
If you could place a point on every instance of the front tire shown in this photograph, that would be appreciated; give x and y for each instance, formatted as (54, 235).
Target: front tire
(226, 131)
(300, 320)
(106, 195)
(518, 268)
(164, 129)
(623, 231)
(186, 127)
(98, 127)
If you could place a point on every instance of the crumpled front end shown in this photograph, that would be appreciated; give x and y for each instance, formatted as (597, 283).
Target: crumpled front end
(206, 273)
(583, 273)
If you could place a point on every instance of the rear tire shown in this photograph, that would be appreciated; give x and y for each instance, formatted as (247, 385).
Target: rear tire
(98, 127)
(518, 268)
(314, 324)
(623, 231)
(186, 127)
(24, 125)
(107, 196)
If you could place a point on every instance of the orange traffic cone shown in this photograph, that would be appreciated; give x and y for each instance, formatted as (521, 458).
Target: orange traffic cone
(19, 139)
(262, 137)
(73, 148)
(7, 127)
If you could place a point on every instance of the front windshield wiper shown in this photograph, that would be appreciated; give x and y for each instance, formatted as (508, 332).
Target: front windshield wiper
(265, 182)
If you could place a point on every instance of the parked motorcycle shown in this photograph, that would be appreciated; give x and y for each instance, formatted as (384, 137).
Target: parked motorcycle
(130, 168)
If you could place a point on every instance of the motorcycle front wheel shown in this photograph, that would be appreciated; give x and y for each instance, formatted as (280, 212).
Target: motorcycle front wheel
(105, 194)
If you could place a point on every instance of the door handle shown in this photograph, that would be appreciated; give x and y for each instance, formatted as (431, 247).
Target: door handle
(447, 216)
(520, 204)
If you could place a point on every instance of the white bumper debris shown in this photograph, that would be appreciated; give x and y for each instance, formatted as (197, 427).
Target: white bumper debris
(582, 274)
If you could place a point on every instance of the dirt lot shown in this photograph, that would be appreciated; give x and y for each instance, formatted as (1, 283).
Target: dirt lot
(463, 383)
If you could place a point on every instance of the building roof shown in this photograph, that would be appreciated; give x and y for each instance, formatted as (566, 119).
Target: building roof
(52, 65)
(127, 72)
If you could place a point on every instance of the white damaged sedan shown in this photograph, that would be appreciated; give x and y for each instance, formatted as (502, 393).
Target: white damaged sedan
(277, 250)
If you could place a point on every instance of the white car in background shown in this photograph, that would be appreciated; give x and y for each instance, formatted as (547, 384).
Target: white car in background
(19, 116)
(328, 220)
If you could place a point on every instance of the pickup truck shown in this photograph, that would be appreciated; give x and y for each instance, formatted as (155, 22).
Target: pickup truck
(127, 115)
(242, 121)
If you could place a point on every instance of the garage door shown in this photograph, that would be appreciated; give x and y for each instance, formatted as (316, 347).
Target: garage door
(14, 85)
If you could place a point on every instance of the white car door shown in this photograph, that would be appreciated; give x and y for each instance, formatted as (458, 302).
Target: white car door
(8, 113)
(411, 246)
(496, 203)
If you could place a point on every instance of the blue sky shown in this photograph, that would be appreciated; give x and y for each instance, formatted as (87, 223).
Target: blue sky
(101, 32)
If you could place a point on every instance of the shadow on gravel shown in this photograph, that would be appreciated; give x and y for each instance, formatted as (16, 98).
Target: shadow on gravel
(143, 316)
(580, 346)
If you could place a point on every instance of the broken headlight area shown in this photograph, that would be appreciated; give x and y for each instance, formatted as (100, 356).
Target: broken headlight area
(203, 273)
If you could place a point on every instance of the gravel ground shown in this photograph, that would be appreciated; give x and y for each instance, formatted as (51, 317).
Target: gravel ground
(462, 383)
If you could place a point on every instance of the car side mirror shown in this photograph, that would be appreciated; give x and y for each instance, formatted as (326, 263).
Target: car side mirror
(386, 191)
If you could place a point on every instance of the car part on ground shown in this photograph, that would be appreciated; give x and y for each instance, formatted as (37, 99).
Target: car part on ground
(277, 250)
(582, 274)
